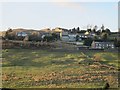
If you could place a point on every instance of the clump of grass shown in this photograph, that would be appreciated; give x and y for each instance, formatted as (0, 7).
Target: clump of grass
(97, 57)
(4, 50)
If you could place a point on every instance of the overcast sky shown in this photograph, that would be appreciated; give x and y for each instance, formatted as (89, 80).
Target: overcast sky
(58, 13)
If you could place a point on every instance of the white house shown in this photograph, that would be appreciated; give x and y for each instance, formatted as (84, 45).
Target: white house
(102, 45)
(23, 34)
(82, 35)
(72, 37)
(65, 38)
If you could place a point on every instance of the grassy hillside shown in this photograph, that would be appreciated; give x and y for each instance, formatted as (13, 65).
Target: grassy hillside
(54, 69)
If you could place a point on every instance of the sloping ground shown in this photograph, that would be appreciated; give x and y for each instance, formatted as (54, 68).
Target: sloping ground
(64, 46)
(50, 69)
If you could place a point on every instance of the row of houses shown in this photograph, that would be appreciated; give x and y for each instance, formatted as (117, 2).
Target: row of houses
(102, 45)
(24, 32)
(96, 44)
(64, 35)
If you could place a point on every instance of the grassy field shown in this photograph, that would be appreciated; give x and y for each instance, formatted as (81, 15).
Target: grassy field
(25, 68)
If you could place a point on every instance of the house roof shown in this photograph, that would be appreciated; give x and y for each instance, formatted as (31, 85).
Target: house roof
(63, 29)
(86, 33)
(103, 42)
(57, 30)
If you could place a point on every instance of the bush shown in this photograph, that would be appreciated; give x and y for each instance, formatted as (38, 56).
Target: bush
(48, 38)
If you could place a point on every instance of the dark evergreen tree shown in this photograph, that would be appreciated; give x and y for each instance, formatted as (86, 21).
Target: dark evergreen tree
(104, 36)
(88, 41)
(77, 37)
(98, 32)
(78, 29)
(108, 31)
(116, 42)
(95, 28)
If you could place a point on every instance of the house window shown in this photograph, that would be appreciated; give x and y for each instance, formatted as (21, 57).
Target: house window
(107, 45)
(24, 34)
(99, 44)
(96, 45)
(19, 34)
(112, 46)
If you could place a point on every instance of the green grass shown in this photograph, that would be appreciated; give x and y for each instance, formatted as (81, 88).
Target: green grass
(53, 69)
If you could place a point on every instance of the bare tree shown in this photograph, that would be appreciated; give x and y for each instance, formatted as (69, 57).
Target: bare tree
(95, 28)
(102, 27)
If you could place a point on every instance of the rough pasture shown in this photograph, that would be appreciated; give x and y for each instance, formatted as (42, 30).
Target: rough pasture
(52, 69)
